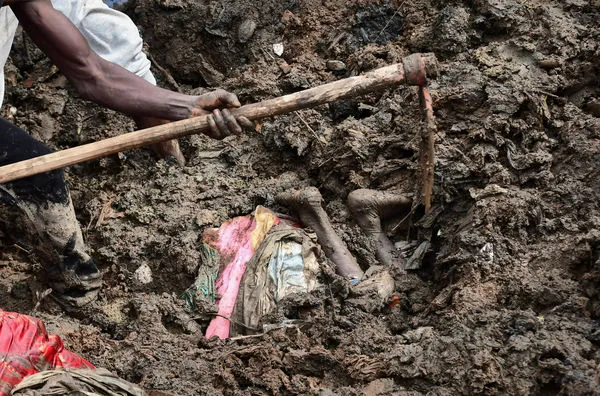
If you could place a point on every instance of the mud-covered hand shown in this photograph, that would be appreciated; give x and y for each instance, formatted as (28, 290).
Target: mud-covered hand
(222, 122)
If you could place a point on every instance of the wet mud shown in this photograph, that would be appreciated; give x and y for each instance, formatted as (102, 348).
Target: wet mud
(503, 298)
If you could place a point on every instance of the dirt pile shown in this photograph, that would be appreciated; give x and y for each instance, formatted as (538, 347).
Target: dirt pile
(505, 301)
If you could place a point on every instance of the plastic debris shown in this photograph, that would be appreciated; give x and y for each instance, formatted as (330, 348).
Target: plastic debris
(27, 348)
(278, 49)
(486, 253)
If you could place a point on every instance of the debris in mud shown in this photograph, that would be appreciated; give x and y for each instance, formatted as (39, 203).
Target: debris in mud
(33, 360)
(143, 275)
(278, 49)
(251, 264)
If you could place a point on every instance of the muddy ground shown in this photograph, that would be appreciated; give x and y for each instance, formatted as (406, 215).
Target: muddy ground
(507, 300)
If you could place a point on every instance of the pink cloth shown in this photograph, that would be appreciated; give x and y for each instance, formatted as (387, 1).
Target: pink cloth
(236, 240)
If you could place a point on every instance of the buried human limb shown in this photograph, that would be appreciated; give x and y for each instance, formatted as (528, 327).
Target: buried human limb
(306, 203)
(368, 208)
(44, 201)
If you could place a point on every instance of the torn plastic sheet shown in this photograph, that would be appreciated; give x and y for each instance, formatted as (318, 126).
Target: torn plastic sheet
(285, 263)
(26, 348)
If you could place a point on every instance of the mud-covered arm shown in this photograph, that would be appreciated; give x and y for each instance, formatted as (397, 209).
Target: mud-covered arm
(106, 83)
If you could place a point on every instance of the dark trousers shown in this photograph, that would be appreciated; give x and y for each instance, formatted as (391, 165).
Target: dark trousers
(67, 264)
(17, 145)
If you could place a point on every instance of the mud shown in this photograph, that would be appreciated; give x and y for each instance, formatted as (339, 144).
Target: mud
(505, 300)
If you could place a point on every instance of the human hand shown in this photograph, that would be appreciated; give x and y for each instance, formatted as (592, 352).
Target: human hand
(168, 149)
(222, 122)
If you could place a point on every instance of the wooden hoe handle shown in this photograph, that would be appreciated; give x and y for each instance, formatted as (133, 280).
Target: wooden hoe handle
(414, 70)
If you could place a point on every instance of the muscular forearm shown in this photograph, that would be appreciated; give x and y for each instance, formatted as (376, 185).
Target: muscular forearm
(116, 88)
(95, 78)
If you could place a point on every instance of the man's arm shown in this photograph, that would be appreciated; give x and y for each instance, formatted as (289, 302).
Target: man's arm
(110, 85)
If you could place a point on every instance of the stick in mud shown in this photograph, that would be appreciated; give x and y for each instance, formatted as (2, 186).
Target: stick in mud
(413, 70)
(426, 151)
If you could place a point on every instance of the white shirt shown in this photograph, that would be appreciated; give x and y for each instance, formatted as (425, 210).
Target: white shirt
(110, 33)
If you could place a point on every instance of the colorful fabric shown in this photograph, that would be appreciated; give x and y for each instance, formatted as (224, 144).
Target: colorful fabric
(236, 241)
(285, 263)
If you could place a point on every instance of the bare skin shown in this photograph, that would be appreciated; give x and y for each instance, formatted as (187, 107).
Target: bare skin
(167, 149)
(221, 125)
(112, 86)
(368, 208)
(306, 203)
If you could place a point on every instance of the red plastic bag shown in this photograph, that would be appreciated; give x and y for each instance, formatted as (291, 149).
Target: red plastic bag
(26, 348)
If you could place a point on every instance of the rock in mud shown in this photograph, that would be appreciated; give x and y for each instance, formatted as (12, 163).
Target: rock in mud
(246, 30)
(451, 33)
(285, 67)
(143, 275)
(549, 63)
(335, 65)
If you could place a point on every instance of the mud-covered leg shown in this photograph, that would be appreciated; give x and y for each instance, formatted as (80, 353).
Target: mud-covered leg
(45, 201)
(307, 205)
(368, 207)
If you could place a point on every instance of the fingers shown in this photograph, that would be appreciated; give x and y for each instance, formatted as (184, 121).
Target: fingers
(222, 124)
(226, 99)
(232, 123)
(220, 121)
(214, 129)
(244, 122)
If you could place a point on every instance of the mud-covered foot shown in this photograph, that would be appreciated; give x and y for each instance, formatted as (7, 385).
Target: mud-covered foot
(368, 208)
(377, 282)
(306, 203)
(76, 280)
(70, 271)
